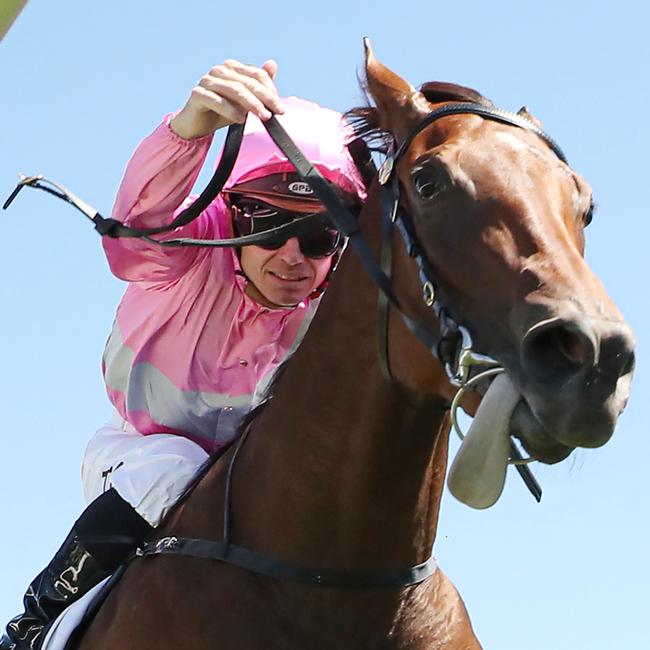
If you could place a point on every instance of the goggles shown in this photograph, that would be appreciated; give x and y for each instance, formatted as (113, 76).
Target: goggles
(317, 238)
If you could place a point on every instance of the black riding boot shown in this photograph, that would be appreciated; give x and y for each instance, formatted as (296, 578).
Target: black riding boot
(101, 539)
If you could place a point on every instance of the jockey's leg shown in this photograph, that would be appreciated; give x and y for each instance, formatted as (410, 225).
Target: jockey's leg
(150, 472)
(83, 561)
(131, 481)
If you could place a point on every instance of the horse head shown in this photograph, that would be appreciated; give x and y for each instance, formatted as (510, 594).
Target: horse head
(499, 216)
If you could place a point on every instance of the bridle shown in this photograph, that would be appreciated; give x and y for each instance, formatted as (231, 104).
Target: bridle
(452, 335)
(460, 364)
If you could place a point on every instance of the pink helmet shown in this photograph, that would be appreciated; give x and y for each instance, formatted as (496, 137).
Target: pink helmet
(262, 171)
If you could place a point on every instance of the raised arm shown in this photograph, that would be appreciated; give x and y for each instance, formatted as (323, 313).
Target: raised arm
(164, 167)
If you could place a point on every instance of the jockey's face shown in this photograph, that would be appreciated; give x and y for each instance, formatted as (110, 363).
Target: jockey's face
(282, 277)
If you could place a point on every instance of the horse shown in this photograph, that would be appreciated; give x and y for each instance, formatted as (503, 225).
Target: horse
(344, 468)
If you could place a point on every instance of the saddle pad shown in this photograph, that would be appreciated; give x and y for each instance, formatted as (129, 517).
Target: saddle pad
(60, 631)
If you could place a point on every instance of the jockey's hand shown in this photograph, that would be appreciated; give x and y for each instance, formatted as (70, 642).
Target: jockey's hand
(225, 95)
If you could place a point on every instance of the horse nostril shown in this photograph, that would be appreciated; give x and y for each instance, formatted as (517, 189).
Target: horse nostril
(556, 350)
(568, 344)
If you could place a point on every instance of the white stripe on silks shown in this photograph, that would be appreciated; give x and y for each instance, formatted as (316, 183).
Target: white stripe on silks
(213, 416)
(118, 359)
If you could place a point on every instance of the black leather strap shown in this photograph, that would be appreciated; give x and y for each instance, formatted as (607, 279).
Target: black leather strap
(383, 304)
(491, 113)
(279, 569)
(231, 147)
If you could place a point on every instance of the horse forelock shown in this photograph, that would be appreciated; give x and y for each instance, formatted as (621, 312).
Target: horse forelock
(365, 123)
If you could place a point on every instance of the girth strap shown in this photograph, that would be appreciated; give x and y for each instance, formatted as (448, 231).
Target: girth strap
(279, 569)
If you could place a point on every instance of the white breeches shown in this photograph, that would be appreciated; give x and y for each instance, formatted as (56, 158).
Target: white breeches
(150, 472)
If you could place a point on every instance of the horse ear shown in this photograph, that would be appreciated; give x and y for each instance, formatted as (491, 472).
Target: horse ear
(394, 97)
(524, 112)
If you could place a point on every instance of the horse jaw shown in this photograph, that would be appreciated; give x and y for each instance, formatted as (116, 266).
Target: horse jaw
(478, 473)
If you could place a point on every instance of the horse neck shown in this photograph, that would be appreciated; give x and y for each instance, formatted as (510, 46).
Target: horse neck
(341, 468)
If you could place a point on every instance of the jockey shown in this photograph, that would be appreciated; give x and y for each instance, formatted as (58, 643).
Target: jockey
(198, 330)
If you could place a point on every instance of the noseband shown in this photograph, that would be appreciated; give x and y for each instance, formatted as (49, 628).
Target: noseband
(458, 365)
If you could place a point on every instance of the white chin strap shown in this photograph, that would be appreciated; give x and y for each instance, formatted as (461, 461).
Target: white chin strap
(478, 472)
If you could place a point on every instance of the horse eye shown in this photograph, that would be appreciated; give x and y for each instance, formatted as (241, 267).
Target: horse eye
(588, 218)
(425, 184)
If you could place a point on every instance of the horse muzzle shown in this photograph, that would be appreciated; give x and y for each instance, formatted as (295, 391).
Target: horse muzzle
(575, 383)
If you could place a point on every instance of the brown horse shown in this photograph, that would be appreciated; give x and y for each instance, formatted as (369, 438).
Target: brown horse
(344, 469)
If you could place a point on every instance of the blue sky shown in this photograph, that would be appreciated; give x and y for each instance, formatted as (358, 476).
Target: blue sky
(82, 84)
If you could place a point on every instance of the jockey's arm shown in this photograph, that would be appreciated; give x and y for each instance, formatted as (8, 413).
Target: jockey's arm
(157, 181)
(164, 167)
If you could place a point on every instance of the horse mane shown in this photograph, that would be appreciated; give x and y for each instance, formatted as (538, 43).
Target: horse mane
(365, 120)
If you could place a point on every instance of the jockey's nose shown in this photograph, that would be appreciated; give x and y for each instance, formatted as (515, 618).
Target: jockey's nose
(290, 252)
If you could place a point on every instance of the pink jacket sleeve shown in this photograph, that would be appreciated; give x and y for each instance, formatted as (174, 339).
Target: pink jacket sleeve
(155, 187)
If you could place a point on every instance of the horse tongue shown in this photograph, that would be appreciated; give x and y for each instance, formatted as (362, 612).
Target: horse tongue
(478, 473)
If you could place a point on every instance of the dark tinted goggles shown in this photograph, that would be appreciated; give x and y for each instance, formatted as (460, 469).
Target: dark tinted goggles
(316, 240)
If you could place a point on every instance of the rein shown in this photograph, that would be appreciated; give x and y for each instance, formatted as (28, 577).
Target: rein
(458, 366)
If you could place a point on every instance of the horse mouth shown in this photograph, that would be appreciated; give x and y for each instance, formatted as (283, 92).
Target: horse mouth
(536, 418)
(534, 437)
(550, 424)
